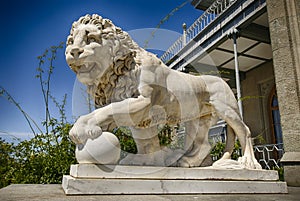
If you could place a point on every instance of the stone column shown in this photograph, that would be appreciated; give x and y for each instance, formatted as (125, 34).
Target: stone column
(284, 21)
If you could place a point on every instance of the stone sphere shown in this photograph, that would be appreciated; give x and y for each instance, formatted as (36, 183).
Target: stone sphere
(103, 150)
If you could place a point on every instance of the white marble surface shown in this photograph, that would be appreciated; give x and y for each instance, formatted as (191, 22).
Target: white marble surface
(148, 172)
(104, 149)
(111, 179)
(132, 87)
(73, 186)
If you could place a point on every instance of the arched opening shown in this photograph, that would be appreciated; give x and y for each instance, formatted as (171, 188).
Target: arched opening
(275, 118)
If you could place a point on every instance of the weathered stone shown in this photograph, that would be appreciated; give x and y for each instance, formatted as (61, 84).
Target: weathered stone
(284, 32)
(116, 179)
(293, 137)
(102, 150)
(274, 7)
(258, 117)
(286, 70)
(134, 88)
(54, 192)
(291, 175)
(278, 32)
(73, 186)
(148, 172)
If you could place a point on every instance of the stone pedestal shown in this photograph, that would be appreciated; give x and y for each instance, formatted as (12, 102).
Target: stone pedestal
(291, 163)
(104, 179)
(284, 21)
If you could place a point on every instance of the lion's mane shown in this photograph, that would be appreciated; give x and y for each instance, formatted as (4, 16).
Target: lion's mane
(120, 81)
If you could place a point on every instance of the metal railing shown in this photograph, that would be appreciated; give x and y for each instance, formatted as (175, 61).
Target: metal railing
(216, 9)
(269, 155)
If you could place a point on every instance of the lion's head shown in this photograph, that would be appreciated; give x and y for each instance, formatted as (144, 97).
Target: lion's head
(99, 52)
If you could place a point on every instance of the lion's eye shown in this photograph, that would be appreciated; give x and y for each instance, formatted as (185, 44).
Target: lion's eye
(92, 38)
(70, 41)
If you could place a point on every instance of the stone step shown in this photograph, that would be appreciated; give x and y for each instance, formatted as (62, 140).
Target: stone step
(75, 186)
(148, 172)
(110, 179)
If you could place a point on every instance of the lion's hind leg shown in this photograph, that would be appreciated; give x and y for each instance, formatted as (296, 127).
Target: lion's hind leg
(234, 120)
(197, 147)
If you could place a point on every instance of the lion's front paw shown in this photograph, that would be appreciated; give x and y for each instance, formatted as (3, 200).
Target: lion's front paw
(83, 130)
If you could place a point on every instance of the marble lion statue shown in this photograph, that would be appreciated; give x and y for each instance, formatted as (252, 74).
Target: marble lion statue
(132, 87)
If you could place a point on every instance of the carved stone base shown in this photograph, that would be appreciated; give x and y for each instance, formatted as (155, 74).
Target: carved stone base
(104, 179)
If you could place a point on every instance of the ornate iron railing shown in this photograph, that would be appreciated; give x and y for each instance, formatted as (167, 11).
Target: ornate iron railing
(269, 155)
(216, 9)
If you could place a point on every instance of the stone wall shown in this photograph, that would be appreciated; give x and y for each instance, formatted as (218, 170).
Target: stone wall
(256, 89)
(284, 21)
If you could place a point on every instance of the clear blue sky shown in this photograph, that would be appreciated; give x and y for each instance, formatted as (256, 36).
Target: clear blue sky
(29, 27)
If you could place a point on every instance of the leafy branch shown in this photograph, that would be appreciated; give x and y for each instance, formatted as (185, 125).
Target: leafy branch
(162, 21)
(47, 156)
(45, 84)
(251, 97)
(29, 120)
(61, 107)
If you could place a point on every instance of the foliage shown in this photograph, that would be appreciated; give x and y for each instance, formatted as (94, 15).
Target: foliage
(280, 171)
(48, 155)
(6, 161)
(43, 159)
(126, 140)
(237, 151)
(165, 138)
(165, 135)
(45, 79)
(31, 123)
(259, 139)
(162, 21)
(218, 149)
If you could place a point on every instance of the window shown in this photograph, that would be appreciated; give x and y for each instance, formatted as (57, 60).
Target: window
(275, 118)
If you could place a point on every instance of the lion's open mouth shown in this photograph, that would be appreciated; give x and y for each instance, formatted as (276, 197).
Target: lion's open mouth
(84, 68)
(87, 72)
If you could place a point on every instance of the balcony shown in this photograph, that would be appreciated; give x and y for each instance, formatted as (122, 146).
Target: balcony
(202, 4)
(205, 46)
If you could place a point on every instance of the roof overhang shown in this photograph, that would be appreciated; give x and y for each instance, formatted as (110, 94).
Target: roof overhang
(202, 4)
(253, 50)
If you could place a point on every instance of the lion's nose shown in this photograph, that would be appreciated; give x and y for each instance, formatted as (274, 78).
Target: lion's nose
(75, 52)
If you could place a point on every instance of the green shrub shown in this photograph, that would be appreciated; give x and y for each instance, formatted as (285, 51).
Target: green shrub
(280, 171)
(43, 159)
(218, 150)
(6, 161)
(47, 156)
(127, 142)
